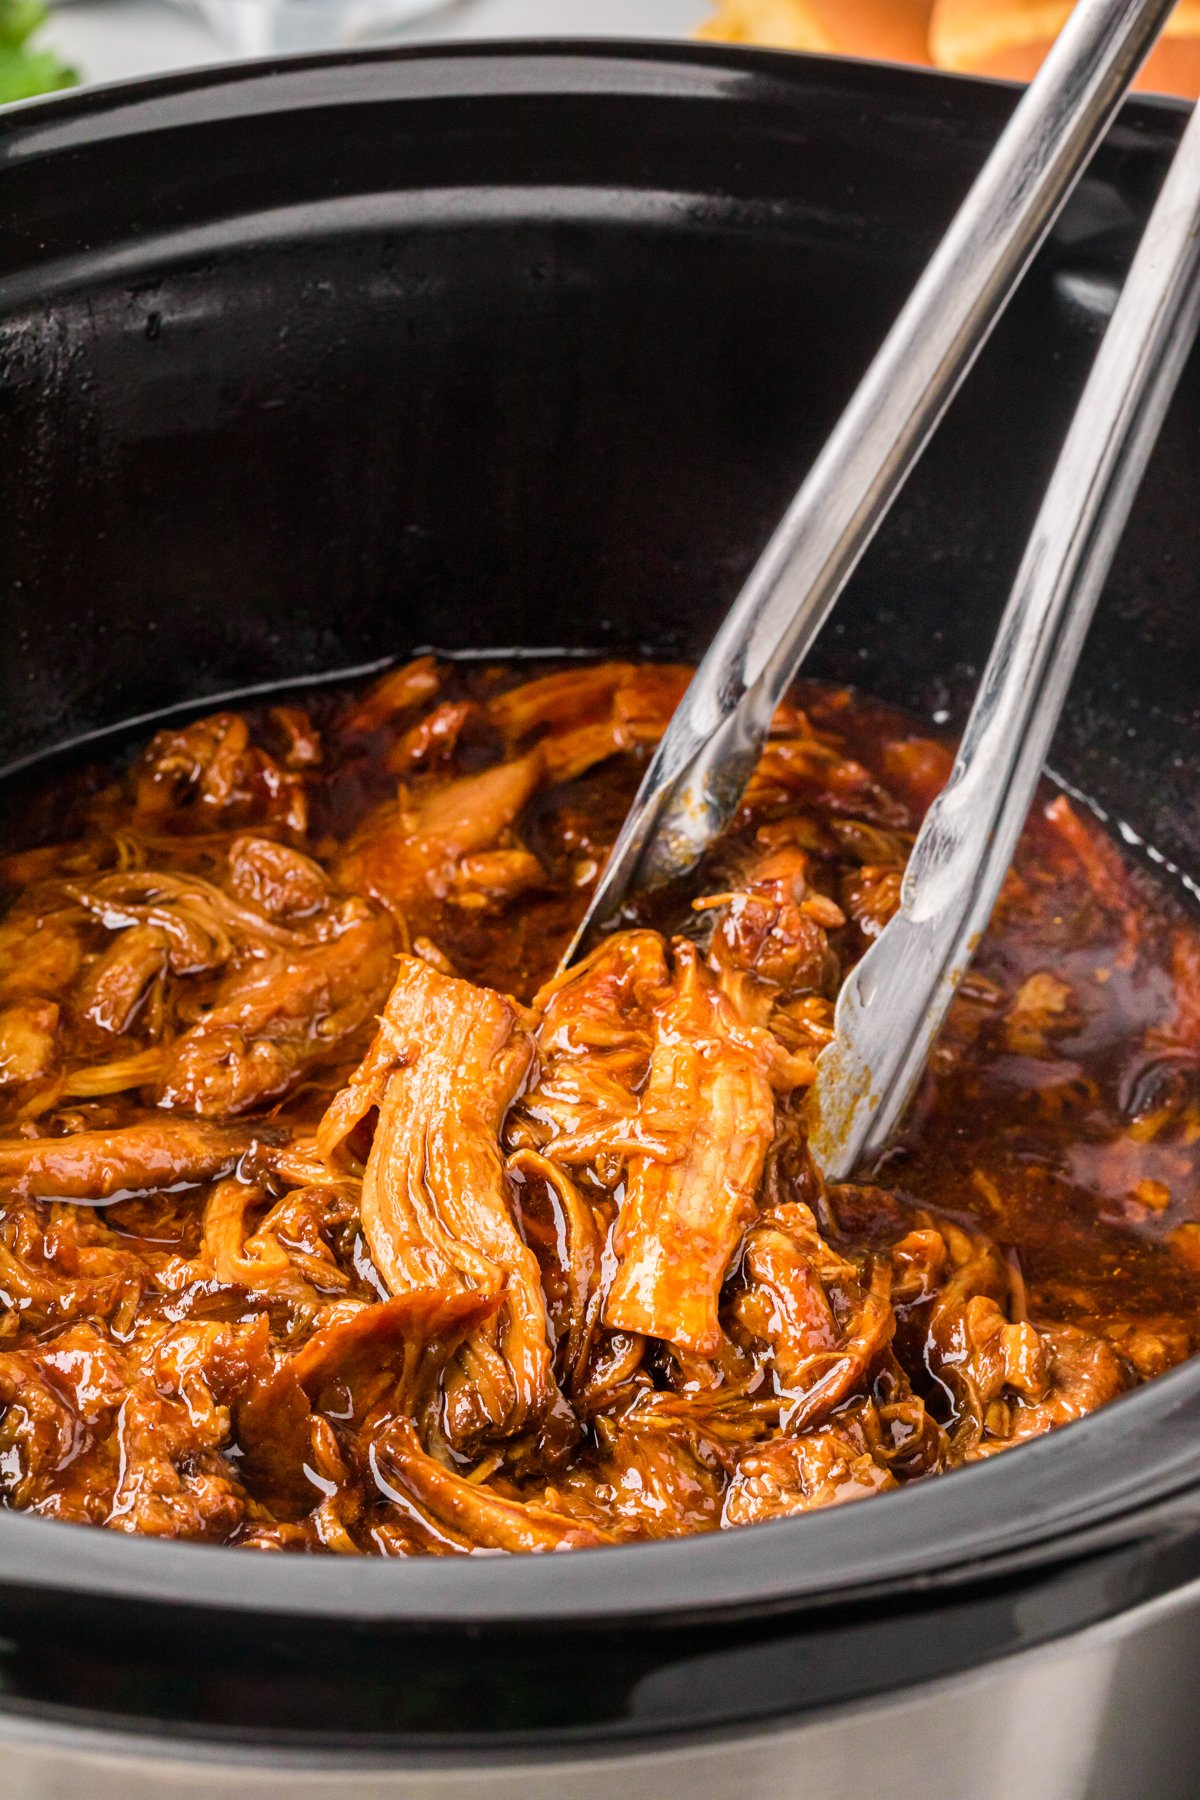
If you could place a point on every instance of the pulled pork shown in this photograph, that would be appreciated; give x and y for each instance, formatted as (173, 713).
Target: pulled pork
(332, 1220)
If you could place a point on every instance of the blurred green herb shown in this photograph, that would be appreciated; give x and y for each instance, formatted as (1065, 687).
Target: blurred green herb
(24, 70)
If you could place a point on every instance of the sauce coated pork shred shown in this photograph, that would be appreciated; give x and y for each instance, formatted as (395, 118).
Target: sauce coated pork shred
(331, 1220)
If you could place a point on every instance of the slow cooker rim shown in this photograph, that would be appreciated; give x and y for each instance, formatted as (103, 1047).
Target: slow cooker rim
(1014, 1514)
(92, 1730)
(921, 1539)
(584, 66)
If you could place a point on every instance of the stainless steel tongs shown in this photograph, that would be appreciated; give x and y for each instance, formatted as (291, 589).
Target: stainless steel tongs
(895, 1000)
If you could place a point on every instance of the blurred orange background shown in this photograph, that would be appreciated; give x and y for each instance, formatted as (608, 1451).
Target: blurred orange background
(979, 37)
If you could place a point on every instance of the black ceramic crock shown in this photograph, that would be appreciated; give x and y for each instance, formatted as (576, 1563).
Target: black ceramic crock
(305, 366)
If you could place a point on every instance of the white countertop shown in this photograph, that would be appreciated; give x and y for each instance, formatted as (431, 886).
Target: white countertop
(108, 39)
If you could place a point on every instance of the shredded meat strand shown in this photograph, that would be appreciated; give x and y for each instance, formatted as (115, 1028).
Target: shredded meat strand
(709, 1111)
(444, 1069)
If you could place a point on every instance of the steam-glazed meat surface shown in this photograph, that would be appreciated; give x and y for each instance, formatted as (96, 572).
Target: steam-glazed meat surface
(332, 1220)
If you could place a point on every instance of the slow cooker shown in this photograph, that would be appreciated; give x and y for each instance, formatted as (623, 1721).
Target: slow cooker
(306, 365)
